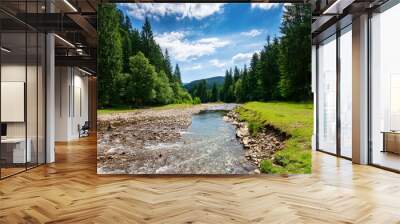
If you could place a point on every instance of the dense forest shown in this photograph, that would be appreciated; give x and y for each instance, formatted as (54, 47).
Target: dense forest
(133, 70)
(280, 71)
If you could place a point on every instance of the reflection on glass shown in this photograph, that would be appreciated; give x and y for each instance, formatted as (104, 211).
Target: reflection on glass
(14, 153)
(394, 102)
(385, 89)
(346, 93)
(22, 90)
(327, 95)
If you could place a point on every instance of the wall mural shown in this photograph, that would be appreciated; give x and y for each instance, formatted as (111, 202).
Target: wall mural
(195, 89)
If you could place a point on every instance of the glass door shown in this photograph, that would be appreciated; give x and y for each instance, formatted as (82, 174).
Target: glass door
(385, 89)
(327, 95)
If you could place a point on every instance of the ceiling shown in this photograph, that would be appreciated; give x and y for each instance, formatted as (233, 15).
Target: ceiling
(73, 21)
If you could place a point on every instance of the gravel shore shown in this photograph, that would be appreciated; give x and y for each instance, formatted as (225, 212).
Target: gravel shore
(148, 141)
(120, 136)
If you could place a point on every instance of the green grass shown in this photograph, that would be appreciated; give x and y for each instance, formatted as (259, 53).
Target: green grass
(124, 109)
(296, 120)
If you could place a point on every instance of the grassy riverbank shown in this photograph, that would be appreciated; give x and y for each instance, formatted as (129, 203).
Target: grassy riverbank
(295, 119)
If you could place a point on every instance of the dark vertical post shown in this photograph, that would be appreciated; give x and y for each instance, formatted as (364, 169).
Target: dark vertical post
(317, 97)
(45, 89)
(26, 86)
(369, 100)
(37, 87)
(338, 73)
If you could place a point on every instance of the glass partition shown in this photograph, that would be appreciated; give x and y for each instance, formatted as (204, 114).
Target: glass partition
(327, 95)
(13, 95)
(346, 92)
(385, 89)
(22, 78)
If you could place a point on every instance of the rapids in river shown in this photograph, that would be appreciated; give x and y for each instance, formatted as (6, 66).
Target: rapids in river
(207, 146)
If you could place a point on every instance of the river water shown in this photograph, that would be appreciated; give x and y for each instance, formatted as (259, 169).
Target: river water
(209, 146)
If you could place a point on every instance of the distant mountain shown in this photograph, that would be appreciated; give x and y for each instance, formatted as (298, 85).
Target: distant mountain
(219, 80)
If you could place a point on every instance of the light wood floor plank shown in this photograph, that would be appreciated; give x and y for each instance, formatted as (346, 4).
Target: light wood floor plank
(70, 191)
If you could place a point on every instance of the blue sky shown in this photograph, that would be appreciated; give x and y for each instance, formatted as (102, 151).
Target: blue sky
(207, 39)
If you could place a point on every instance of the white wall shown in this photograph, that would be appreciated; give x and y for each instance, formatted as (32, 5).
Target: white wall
(33, 126)
(62, 82)
(71, 87)
(10, 73)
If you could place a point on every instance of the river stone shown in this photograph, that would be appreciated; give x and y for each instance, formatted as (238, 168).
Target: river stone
(123, 140)
(246, 141)
(242, 132)
(261, 146)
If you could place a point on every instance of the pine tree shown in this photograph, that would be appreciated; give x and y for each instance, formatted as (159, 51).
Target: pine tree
(245, 85)
(273, 65)
(269, 70)
(201, 91)
(177, 74)
(215, 93)
(110, 54)
(147, 37)
(151, 49)
(239, 94)
(168, 66)
(228, 91)
(126, 50)
(295, 53)
(253, 80)
(119, 81)
(236, 74)
(136, 42)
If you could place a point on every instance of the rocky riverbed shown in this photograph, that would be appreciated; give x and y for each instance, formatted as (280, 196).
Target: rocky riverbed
(171, 141)
(123, 137)
(260, 146)
(194, 140)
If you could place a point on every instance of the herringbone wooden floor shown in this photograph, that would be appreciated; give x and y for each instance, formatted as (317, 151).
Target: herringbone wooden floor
(69, 191)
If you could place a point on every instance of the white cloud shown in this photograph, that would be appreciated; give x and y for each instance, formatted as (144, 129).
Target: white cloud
(208, 40)
(194, 67)
(241, 58)
(251, 33)
(181, 10)
(182, 49)
(217, 63)
(265, 6)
